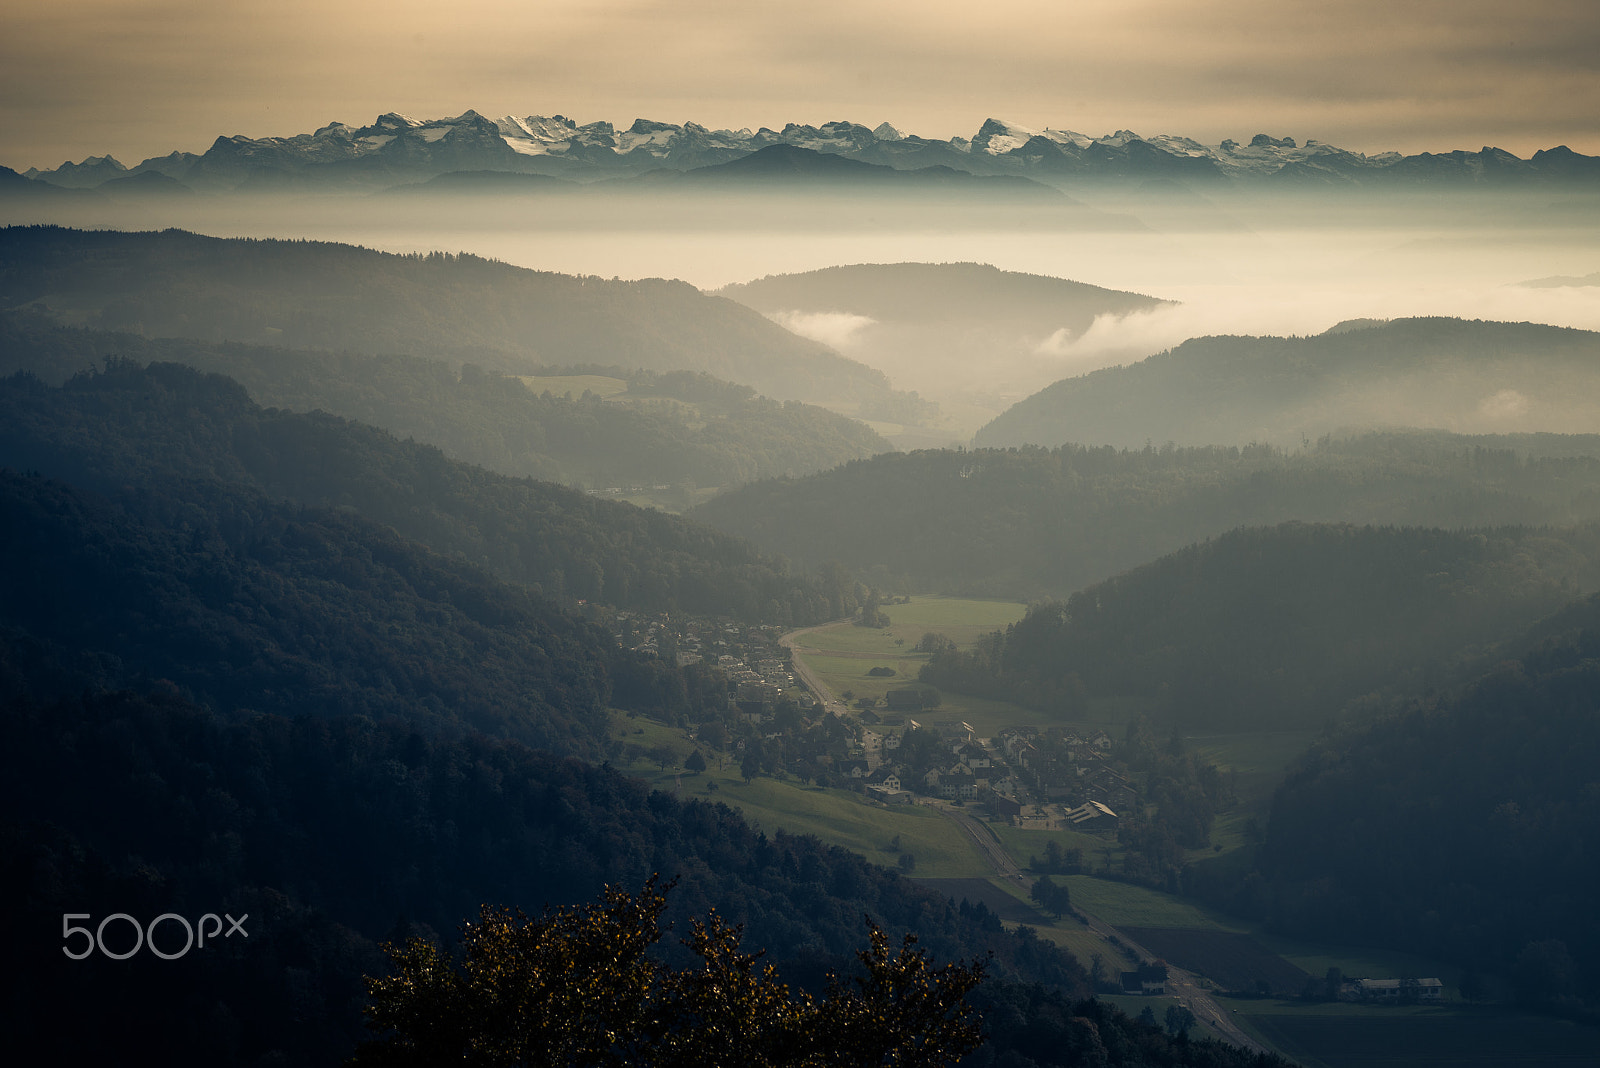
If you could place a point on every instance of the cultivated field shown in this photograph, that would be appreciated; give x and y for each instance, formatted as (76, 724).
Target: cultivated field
(1432, 1038)
(838, 817)
(1232, 960)
(1008, 908)
(843, 655)
(1125, 905)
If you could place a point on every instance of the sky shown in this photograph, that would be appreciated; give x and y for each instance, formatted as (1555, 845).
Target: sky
(141, 78)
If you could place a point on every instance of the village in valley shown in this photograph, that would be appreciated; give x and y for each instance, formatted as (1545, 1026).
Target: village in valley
(1042, 779)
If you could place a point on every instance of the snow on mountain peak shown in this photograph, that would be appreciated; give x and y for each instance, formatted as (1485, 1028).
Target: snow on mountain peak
(393, 120)
(997, 137)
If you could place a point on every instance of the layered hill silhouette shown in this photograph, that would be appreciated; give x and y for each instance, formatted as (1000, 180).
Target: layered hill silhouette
(1031, 522)
(1280, 627)
(223, 688)
(681, 431)
(1451, 374)
(1487, 789)
(956, 332)
(149, 428)
(314, 295)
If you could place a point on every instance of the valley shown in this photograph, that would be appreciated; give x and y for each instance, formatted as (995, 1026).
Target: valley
(624, 551)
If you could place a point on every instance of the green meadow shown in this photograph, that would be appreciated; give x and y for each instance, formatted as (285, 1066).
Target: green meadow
(577, 385)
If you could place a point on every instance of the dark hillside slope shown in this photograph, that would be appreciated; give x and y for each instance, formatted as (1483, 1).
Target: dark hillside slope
(1030, 523)
(1281, 627)
(131, 427)
(1469, 377)
(247, 604)
(1464, 827)
(316, 295)
(674, 427)
(334, 835)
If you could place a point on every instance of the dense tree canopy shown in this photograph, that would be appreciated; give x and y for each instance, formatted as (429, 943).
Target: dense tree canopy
(1469, 376)
(1280, 626)
(319, 295)
(161, 430)
(1462, 826)
(578, 987)
(680, 427)
(1033, 523)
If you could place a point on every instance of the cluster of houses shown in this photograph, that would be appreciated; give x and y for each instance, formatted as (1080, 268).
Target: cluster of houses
(746, 652)
(1392, 991)
(1019, 775)
(968, 772)
(1066, 766)
(986, 771)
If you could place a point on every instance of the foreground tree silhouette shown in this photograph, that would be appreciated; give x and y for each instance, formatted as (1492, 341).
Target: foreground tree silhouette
(578, 987)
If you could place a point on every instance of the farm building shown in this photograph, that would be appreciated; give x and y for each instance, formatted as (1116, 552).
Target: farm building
(1151, 978)
(1091, 816)
(1394, 990)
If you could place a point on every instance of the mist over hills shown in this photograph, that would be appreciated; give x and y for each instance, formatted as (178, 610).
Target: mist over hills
(940, 293)
(217, 698)
(1452, 374)
(397, 148)
(966, 334)
(313, 295)
(169, 425)
(671, 435)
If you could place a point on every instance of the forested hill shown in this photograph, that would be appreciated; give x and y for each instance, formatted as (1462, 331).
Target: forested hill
(682, 428)
(147, 429)
(1424, 831)
(924, 323)
(214, 701)
(940, 293)
(333, 835)
(1281, 627)
(1469, 377)
(1029, 523)
(246, 604)
(316, 295)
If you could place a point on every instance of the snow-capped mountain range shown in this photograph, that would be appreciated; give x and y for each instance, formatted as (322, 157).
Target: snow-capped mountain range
(396, 148)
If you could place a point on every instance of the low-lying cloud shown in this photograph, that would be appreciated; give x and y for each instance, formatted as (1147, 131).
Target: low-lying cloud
(840, 330)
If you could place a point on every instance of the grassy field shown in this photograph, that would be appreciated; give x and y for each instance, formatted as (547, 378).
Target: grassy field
(1348, 1036)
(1021, 844)
(1122, 904)
(560, 385)
(1359, 962)
(1256, 761)
(843, 654)
(1233, 961)
(1133, 1004)
(838, 817)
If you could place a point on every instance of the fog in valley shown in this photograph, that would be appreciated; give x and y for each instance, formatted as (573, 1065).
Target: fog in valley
(1224, 261)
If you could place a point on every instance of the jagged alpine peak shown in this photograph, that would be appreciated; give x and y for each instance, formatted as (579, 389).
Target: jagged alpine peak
(398, 148)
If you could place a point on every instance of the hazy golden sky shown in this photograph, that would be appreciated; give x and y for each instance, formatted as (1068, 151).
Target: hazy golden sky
(139, 78)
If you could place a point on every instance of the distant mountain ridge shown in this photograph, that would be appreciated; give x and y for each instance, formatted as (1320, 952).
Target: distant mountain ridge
(396, 148)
